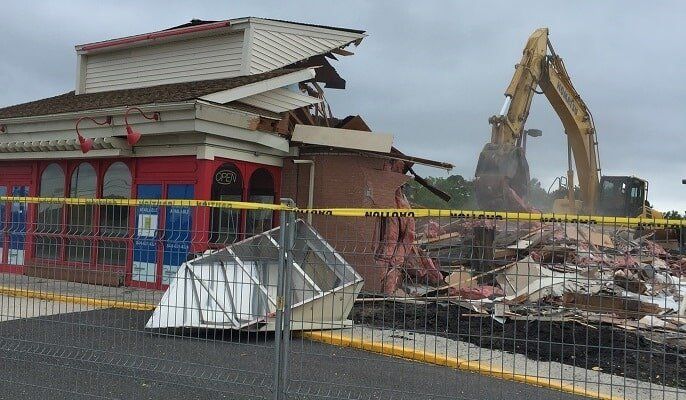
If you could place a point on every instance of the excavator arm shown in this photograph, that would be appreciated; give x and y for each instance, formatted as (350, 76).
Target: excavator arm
(502, 174)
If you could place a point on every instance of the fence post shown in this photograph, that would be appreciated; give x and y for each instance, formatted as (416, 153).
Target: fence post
(287, 295)
(282, 324)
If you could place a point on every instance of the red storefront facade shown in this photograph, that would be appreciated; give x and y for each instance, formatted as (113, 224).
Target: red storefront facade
(203, 110)
(98, 244)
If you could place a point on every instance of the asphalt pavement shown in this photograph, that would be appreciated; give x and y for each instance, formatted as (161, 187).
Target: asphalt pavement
(106, 354)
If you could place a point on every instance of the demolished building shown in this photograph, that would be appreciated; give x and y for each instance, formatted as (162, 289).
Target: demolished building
(205, 110)
(556, 271)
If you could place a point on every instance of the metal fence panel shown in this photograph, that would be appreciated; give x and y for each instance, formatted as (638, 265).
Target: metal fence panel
(163, 299)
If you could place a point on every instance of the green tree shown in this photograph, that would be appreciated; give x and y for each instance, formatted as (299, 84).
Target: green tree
(673, 215)
(538, 197)
(460, 189)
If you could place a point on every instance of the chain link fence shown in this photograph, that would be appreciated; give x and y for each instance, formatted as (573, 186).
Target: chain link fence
(114, 298)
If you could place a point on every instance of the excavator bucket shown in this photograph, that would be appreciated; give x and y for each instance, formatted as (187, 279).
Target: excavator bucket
(502, 178)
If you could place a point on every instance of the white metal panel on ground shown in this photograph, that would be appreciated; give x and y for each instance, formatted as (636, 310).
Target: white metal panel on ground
(235, 287)
(273, 48)
(343, 138)
(190, 60)
(280, 100)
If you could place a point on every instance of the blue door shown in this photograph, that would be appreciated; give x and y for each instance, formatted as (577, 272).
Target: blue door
(17, 227)
(177, 231)
(144, 267)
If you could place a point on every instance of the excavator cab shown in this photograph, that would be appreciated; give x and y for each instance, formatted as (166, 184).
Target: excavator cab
(622, 196)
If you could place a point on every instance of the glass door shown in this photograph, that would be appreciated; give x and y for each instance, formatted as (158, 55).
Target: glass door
(177, 231)
(144, 269)
(17, 227)
(13, 228)
(3, 227)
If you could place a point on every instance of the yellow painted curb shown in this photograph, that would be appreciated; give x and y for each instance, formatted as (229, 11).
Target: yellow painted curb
(343, 340)
(89, 301)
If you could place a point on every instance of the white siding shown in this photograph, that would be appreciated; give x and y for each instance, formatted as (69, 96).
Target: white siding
(274, 48)
(190, 60)
(280, 100)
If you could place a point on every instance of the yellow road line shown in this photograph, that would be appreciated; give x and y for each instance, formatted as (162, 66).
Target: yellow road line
(339, 338)
(89, 301)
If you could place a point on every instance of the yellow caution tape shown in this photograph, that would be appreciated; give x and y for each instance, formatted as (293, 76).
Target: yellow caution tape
(144, 202)
(365, 212)
(498, 215)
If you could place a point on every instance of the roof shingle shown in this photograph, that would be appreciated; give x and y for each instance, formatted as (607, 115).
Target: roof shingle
(169, 93)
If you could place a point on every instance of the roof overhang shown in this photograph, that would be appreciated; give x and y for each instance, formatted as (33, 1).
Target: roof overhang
(241, 92)
(330, 150)
(158, 36)
(63, 148)
(203, 125)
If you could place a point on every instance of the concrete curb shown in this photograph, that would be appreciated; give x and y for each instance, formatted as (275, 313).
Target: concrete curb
(343, 340)
(89, 301)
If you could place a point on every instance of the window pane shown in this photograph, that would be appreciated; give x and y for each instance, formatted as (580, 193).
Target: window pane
(114, 219)
(83, 185)
(83, 182)
(49, 218)
(78, 250)
(225, 222)
(47, 247)
(261, 190)
(260, 220)
(112, 253)
(227, 185)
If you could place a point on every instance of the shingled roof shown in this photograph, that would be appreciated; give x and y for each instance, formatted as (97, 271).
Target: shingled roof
(169, 93)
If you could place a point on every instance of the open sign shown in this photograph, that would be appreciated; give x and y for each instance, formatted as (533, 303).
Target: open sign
(225, 177)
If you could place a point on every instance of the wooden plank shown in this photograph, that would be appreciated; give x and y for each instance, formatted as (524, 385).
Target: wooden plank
(343, 138)
(438, 238)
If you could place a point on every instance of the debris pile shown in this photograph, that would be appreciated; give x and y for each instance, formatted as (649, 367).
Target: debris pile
(515, 270)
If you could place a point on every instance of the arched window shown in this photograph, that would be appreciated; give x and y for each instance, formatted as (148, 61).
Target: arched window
(83, 185)
(49, 219)
(260, 190)
(114, 219)
(227, 185)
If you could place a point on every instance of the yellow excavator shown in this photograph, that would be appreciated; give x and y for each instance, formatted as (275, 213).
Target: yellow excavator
(502, 172)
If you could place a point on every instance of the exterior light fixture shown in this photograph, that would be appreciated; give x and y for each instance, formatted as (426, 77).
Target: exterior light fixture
(87, 143)
(3, 129)
(534, 132)
(133, 136)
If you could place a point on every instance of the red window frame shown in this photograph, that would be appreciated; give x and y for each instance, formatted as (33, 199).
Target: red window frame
(141, 173)
(247, 169)
(94, 239)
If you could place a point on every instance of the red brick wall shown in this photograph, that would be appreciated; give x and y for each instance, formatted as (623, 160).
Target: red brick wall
(346, 181)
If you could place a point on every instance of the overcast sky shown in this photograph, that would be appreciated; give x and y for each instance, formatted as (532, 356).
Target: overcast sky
(430, 73)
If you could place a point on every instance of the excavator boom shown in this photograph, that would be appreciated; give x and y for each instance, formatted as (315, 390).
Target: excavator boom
(502, 173)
